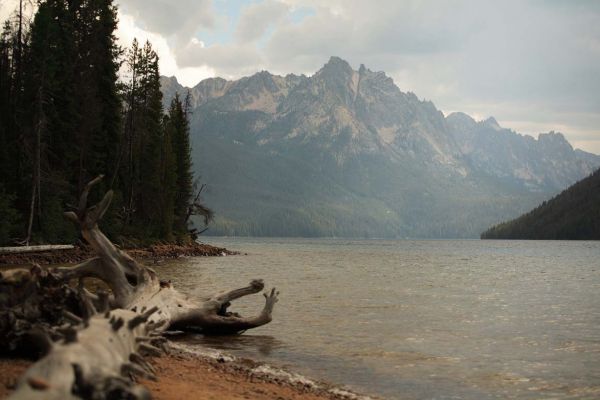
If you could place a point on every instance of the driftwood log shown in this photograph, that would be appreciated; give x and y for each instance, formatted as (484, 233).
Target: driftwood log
(32, 249)
(94, 343)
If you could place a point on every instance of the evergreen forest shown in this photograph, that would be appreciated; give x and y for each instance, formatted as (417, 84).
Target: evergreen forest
(574, 214)
(75, 105)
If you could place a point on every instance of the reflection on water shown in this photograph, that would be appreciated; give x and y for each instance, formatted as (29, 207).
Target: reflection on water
(418, 319)
(262, 344)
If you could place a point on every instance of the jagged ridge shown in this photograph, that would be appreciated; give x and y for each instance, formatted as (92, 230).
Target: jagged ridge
(345, 153)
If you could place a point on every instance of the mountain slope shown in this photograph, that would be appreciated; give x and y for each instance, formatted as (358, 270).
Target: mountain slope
(346, 153)
(548, 163)
(573, 214)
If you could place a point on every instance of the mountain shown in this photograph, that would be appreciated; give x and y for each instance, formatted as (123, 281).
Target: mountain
(547, 164)
(573, 214)
(344, 152)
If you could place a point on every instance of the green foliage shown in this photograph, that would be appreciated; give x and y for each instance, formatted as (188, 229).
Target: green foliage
(54, 227)
(64, 119)
(178, 123)
(149, 170)
(573, 214)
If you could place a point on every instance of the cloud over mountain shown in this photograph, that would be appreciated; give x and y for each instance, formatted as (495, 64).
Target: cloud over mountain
(533, 64)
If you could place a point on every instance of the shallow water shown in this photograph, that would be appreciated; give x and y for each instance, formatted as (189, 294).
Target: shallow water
(418, 319)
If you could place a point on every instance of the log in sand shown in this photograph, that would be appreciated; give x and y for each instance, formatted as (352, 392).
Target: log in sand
(95, 343)
(34, 249)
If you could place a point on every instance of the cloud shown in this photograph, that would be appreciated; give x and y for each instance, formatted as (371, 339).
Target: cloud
(533, 64)
(230, 60)
(171, 19)
(256, 18)
(128, 30)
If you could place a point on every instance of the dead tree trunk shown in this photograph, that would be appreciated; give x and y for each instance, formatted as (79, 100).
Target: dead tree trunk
(104, 346)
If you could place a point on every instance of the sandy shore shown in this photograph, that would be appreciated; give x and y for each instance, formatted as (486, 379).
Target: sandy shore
(190, 376)
(190, 373)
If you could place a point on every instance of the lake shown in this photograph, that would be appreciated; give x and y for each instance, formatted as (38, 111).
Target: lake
(423, 319)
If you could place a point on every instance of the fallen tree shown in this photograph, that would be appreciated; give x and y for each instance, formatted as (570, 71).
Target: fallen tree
(32, 249)
(94, 343)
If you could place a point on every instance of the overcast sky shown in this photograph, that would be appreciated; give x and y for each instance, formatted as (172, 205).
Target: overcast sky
(534, 65)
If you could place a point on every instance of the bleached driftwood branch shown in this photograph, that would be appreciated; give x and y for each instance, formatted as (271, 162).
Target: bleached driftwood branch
(101, 348)
(31, 249)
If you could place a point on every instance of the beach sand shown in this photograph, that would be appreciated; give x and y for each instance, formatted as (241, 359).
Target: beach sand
(186, 377)
(189, 376)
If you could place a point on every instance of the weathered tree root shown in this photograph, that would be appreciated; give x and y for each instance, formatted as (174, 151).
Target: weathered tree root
(95, 360)
(107, 336)
(33, 305)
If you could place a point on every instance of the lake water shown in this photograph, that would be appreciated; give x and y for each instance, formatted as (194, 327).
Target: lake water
(418, 319)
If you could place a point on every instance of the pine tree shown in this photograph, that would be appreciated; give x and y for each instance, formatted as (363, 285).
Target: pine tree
(150, 174)
(73, 106)
(168, 181)
(179, 121)
(62, 108)
(147, 153)
(97, 62)
(13, 45)
(51, 133)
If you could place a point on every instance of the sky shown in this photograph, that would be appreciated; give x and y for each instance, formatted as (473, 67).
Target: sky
(532, 64)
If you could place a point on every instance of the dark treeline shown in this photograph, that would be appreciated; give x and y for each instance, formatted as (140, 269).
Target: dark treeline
(573, 214)
(65, 117)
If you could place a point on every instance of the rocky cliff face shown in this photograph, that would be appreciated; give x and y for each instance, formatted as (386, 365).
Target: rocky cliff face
(346, 153)
(546, 164)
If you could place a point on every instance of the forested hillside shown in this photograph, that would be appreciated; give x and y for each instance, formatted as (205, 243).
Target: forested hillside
(573, 214)
(65, 117)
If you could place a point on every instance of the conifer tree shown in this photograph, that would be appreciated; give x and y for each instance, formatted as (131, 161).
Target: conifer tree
(150, 159)
(179, 121)
(62, 109)
(13, 45)
(72, 104)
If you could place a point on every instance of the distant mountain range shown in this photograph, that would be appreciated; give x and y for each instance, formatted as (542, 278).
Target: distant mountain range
(573, 214)
(345, 153)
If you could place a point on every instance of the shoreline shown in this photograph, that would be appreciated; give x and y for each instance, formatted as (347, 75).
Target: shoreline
(205, 373)
(188, 372)
(79, 254)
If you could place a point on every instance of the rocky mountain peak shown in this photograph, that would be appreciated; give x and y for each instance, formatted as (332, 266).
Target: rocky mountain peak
(552, 137)
(169, 79)
(554, 140)
(461, 122)
(492, 123)
(460, 117)
(336, 65)
(335, 68)
(258, 82)
(169, 86)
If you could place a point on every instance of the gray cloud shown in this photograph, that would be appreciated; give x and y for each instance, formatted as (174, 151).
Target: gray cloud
(230, 60)
(181, 18)
(256, 19)
(533, 64)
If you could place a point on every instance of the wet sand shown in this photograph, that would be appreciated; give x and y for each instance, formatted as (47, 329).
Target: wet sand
(187, 377)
